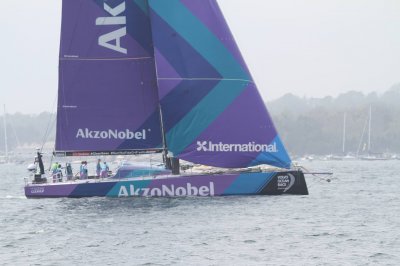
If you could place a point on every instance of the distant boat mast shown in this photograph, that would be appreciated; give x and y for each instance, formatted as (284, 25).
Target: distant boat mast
(344, 134)
(369, 129)
(367, 123)
(5, 133)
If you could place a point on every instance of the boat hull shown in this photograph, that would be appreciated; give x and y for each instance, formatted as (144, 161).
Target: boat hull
(262, 183)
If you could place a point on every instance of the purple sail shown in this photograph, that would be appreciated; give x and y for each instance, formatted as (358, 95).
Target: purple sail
(212, 111)
(107, 98)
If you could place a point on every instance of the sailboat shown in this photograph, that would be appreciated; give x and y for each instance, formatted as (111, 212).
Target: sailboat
(343, 156)
(367, 146)
(162, 76)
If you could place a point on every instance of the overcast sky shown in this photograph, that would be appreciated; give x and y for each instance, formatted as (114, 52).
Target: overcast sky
(309, 48)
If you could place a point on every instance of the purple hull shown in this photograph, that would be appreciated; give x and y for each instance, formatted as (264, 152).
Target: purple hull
(262, 183)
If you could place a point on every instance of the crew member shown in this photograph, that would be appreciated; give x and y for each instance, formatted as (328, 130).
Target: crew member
(104, 170)
(98, 168)
(68, 171)
(83, 170)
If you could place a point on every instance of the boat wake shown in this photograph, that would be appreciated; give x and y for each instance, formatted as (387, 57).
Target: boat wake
(13, 197)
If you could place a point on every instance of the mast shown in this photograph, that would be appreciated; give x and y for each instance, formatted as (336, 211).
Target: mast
(5, 134)
(164, 141)
(344, 133)
(166, 160)
(369, 129)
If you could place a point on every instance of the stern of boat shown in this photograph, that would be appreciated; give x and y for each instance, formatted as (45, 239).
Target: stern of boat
(290, 182)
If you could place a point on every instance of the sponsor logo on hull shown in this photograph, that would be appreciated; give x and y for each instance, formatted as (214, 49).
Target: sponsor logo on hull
(286, 182)
(168, 191)
(37, 190)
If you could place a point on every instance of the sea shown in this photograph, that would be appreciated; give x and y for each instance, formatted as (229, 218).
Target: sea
(350, 218)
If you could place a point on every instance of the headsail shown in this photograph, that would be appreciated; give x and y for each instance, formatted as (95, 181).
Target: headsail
(108, 99)
(212, 111)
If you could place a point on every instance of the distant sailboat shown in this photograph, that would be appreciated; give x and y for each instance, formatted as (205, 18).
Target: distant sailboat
(343, 156)
(162, 76)
(346, 156)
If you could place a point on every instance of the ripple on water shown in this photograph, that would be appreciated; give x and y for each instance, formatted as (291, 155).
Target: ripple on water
(349, 221)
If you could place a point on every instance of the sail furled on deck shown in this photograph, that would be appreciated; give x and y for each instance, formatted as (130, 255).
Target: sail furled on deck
(212, 111)
(107, 98)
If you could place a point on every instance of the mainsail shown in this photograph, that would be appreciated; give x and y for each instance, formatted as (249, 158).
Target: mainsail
(107, 98)
(121, 60)
(212, 111)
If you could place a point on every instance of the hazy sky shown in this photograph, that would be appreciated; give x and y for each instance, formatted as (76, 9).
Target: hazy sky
(309, 48)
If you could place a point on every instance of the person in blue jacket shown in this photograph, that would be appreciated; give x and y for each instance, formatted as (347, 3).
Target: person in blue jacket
(83, 171)
(104, 170)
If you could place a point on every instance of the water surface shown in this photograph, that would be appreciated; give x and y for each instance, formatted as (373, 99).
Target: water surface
(353, 220)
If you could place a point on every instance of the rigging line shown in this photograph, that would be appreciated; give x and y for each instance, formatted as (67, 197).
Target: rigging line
(48, 130)
(50, 123)
(5, 132)
(15, 133)
(221, 79)
(72, 58)
(325, 177)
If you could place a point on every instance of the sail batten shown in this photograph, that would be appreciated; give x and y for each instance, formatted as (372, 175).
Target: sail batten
(214, 79)
(104, 59)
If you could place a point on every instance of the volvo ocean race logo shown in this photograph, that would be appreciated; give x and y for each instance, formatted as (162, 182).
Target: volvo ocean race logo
(111, 134)
(285, 182)
(112, 40)
(168, 191)
(208, 146)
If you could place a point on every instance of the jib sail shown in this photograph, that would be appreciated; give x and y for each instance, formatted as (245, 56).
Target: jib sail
(212, 111)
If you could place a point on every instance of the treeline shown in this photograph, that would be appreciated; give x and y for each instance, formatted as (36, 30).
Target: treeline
(315, 126)
(306, 125)
(25, 129)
